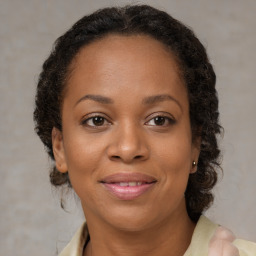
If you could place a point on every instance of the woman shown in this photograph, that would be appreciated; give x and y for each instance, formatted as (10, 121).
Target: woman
(127, 108)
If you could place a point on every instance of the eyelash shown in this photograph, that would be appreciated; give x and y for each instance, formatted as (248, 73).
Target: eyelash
(85, 122)
(168, 119)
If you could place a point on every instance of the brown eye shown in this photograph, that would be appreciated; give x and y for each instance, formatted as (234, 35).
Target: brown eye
(95, 121)
(98, 120)
(160, 121)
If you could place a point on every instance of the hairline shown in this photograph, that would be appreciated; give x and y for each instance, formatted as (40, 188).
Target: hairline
(97, 38)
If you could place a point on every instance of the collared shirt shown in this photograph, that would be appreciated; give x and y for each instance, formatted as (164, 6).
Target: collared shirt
(209, 239)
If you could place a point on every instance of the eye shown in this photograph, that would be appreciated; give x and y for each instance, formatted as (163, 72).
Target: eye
(160, 121)
(95, 121)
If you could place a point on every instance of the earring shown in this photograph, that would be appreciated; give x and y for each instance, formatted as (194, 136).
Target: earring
(194, 169)
(194, 164)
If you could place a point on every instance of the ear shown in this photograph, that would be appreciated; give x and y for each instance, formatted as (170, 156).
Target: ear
(58, 150)
(196, 145)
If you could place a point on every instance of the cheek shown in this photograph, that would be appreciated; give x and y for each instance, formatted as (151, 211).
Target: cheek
(174, 160)
(82, 157)
(82, 150)
(175, 153)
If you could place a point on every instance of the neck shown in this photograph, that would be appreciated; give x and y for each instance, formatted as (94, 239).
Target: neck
(169, 238)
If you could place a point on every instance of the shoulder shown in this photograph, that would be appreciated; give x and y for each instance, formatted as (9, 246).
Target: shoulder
(210, 239)
(246, 248)
(202, 235)
(76, 245)
(224, 242)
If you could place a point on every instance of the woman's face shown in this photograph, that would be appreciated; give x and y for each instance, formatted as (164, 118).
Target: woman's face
(126, 140)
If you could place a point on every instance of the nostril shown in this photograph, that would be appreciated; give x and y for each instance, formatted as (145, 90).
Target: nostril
(116, 157)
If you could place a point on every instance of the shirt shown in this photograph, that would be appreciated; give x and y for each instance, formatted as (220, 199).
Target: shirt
(208, 239)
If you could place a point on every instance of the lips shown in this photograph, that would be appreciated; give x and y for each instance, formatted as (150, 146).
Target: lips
(128, 186)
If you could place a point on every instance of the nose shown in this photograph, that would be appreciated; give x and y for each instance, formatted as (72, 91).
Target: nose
(128, 144)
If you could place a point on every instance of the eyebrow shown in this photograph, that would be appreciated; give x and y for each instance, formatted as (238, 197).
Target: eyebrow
(147, 101)
(160, 98)
(97, 98)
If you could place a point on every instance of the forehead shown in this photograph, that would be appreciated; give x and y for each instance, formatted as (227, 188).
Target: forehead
(135, 62)
(128, 48)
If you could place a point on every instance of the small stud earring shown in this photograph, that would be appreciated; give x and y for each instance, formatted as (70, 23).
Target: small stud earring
(194, 164)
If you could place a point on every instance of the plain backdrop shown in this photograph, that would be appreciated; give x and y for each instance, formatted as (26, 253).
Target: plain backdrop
(32, 222)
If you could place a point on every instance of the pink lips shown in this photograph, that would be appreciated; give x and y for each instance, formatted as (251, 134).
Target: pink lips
(128, 186)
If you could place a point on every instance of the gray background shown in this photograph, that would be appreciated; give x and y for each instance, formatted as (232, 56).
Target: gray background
(31, 220)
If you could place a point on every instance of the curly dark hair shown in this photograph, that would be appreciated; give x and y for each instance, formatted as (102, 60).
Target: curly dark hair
(194, 65)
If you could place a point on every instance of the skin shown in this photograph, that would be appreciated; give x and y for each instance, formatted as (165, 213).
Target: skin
(128, 70)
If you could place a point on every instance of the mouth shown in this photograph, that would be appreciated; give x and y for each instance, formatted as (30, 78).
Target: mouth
(130, 183)
(128, 186)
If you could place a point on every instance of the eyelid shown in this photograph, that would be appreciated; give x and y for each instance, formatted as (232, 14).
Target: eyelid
(161, 114)
(89, 116)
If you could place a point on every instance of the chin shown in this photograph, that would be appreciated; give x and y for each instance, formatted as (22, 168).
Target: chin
(133, 219)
